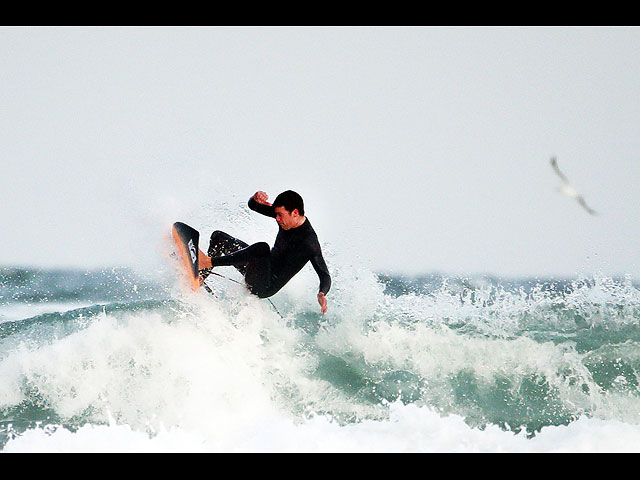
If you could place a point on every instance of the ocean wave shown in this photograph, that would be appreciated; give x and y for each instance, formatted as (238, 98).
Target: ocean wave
(522, 358)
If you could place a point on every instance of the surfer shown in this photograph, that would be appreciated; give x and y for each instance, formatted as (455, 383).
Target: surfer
(267, 270)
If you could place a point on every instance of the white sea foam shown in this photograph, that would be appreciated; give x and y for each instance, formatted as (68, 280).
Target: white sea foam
(408, 429)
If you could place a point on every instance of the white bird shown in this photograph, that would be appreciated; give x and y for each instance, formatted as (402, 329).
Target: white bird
(568, 190)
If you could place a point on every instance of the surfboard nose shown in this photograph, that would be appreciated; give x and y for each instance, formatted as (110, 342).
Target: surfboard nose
(186, 240)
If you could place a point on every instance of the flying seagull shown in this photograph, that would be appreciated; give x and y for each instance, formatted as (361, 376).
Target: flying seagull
(568, 190)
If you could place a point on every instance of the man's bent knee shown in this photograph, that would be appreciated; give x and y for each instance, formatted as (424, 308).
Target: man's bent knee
(262, 249)
(218, 234)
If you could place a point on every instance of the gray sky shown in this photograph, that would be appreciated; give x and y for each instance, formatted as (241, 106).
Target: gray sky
(416, 149)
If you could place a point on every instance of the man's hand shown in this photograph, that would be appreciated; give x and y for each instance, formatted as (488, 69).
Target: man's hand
(261, 197)
(322, 300)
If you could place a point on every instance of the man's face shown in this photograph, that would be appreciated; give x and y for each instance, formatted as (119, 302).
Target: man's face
(285, 219)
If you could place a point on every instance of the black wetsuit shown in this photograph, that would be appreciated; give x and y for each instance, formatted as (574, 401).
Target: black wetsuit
(266, 270)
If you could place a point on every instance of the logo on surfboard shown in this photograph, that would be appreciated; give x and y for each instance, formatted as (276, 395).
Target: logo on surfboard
(192, 251)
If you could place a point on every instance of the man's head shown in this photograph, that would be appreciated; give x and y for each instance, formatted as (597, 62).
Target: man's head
(289, 209)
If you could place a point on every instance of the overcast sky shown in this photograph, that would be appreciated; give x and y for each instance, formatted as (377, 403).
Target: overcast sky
(416, 149)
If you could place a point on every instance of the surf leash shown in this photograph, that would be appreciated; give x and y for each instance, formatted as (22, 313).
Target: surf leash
(204, 284)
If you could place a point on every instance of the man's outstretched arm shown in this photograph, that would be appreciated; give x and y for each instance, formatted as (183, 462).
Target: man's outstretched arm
(320, 266)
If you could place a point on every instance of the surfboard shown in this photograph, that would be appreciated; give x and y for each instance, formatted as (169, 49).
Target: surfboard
(186, 241)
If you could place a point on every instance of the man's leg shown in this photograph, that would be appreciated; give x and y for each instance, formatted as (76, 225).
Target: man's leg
(256, 261)
(220, 244)
(258, 274)
(224, 244)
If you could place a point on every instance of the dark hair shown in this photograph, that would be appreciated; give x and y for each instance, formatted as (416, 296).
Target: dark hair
(290, 200)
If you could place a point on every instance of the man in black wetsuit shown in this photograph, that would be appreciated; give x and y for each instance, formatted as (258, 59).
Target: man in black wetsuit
(266, 270)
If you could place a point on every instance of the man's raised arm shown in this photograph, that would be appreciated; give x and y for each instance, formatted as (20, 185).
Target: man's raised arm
(258, 203)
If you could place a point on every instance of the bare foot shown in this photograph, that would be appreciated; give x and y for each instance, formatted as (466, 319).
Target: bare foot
(203, 260)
